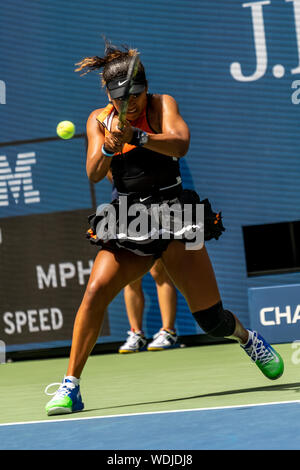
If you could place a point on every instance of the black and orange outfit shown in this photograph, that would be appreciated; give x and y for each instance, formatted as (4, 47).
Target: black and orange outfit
(147, 177)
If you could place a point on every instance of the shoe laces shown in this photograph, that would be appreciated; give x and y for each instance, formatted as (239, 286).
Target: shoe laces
(62, 391)
(161, 338)
(164, 332)
(258, 351)
(133, 337)
(163, 335)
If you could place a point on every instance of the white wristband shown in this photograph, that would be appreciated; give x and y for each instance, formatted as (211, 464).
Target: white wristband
(105, 152)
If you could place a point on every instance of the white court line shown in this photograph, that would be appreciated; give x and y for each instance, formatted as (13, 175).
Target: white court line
(249, 405)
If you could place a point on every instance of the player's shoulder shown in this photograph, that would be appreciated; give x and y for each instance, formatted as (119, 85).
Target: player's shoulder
(93, 126)
(163, 97)
(94, 114)
(98, 117)
(164, 103)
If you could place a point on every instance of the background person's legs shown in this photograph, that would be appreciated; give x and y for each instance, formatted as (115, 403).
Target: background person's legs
(166, 293)
(135, 304)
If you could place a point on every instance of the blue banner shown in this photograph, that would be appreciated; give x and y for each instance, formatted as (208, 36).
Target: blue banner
(233, 68)
(275, 312)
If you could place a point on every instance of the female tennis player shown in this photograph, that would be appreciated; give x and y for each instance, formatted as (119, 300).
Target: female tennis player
(143, 156)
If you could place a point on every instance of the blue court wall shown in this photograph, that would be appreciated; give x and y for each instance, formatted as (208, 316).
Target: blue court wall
(232, 67)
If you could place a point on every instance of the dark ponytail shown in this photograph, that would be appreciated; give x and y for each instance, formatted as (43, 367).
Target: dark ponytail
(114, 63)
(90, 63)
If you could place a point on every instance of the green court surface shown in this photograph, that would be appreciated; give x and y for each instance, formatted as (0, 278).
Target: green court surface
(181, 379)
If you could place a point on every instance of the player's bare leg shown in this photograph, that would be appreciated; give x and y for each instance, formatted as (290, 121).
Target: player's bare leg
(193, 274)
(110, 274)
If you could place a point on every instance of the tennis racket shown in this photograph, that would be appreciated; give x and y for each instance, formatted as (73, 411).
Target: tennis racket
(132, 71)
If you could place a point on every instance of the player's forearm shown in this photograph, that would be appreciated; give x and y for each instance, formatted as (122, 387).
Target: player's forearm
(168, 144)
(97, 167)
(109, 176)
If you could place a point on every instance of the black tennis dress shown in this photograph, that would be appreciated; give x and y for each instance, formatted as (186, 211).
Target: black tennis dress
(152, 209)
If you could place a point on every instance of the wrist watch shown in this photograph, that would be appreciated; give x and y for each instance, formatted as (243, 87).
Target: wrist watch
(139, 137)
(143, 138)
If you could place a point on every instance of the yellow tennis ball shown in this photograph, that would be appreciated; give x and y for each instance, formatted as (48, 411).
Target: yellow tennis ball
(65, 129)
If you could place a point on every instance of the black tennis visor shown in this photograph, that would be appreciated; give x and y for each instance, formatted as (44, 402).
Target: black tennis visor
(117, 86)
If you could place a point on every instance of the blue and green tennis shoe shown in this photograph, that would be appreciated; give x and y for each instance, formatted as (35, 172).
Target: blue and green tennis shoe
(264, 355)
(67, 399)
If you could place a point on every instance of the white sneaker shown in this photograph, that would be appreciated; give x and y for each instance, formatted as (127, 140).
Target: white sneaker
(135, 342)
(163, 340)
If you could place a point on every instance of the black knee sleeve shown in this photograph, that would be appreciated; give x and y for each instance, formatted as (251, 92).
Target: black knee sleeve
(216, 321)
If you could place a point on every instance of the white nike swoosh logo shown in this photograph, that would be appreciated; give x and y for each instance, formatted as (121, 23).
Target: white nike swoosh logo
(121, 83)
(276, 358)
(144, 199)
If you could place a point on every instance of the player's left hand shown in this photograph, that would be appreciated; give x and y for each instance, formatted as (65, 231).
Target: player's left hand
(124, 135)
